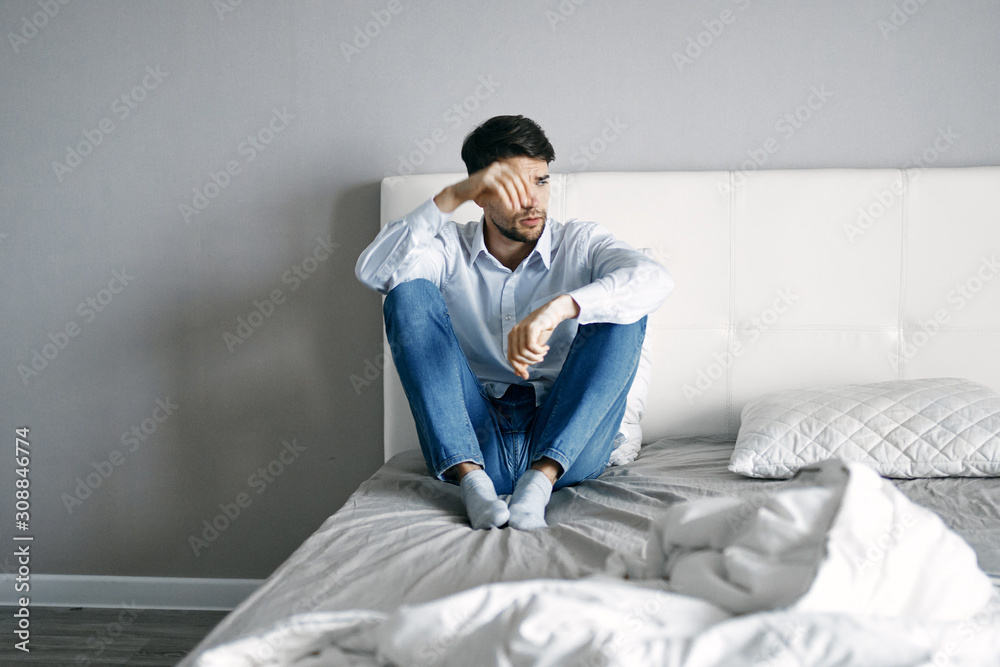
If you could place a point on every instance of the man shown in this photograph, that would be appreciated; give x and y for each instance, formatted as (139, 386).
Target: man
(516, 337)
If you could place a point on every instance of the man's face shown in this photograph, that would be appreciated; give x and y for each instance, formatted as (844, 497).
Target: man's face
(523, 223)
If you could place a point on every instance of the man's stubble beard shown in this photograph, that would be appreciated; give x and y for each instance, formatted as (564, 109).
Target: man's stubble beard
(509, 228)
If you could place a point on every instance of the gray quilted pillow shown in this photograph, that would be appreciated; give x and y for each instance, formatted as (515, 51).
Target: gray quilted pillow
(939, 427)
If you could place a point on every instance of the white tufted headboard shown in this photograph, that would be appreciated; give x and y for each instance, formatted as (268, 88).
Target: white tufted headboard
(784, 279)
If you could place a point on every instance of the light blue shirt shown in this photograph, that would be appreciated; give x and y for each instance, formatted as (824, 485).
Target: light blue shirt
(610, 280)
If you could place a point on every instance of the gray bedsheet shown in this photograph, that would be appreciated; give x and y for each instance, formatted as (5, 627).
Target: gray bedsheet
(403, 538)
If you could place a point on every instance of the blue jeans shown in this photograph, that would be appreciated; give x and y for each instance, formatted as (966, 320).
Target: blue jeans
(458, 421)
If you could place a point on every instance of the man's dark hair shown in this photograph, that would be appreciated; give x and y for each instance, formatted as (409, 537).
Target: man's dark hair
(502, 137)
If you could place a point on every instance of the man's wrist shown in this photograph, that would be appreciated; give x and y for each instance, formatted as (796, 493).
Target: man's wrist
(446, 200)
(568, 307)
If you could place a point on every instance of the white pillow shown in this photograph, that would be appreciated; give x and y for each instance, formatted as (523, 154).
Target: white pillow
(629, 438)
(938, 427)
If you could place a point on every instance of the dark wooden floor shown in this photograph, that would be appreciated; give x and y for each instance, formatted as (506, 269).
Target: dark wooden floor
(92, 637)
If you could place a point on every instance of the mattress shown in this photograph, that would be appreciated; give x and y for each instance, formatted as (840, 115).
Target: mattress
(402, 537)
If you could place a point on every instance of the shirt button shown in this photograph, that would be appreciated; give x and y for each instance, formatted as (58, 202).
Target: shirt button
(506, 317)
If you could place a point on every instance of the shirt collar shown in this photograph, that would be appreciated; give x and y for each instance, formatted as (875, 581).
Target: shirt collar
(543, 248)
(478, 242)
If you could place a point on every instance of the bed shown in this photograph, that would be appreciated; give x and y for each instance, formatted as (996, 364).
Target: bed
(785, 280)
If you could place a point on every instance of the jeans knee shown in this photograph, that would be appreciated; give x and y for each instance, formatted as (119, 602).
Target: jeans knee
(640, 329)
(419, 295)
(632, 334)
(616, 333)
(418, 288)
(412, 308)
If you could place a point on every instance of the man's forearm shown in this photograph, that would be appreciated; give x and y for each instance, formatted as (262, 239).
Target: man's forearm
(625, 294)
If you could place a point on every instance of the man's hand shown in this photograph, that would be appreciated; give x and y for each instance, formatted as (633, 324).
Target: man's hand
(511, 185)
(526, 341)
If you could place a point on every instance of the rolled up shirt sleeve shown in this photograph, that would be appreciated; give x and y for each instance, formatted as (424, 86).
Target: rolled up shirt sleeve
(405, 249)
(626, 284)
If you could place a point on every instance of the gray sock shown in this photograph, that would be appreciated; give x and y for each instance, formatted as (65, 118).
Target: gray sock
(527, 505)
(484, 508)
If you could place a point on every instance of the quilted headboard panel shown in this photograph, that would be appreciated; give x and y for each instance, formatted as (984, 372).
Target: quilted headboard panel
(784, 279)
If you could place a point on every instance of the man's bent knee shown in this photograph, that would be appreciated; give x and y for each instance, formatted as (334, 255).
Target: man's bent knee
(610, 332)
(416, 288)
(415, 315)
(419, 296)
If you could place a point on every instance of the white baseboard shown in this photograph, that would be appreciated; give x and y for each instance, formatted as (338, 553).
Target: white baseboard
(67, 590)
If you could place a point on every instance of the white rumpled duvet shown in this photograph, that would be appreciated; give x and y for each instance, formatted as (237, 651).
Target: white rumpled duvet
(835, 568)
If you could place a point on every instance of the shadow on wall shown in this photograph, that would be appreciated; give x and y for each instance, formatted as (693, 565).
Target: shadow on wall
(269, 437)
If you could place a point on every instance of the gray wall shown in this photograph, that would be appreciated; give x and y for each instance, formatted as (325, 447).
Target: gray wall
(608, 76)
